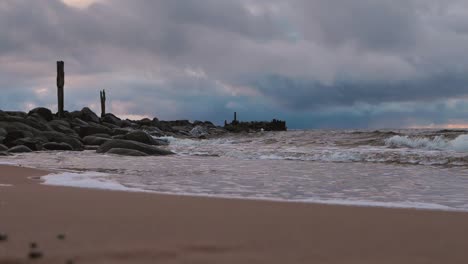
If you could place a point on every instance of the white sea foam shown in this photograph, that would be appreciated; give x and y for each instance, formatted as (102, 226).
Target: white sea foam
(354, 168)
(5, 185)
(101, 181)
(89, 180)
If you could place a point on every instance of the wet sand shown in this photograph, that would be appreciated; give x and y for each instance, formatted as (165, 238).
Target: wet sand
(120, 227)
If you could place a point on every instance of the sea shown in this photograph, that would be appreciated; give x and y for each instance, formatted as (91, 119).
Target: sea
(413, 168)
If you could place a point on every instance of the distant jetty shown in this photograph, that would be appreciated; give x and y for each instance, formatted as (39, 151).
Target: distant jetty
(41, 129)
(254, 126)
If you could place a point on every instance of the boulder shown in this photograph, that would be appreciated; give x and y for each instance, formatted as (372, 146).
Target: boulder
(102, 135)
(128, 123)
(13, 136)
(127, 152)
(43, 112)
(120, 131)
(34, 144)
(33, 121)
(145, 122)
(16, 113)
(57, 146)
(19, 149)
(92, 129)
(88, 115)
(118, 137)
(37, 122)
(141, 136)
(3, 147)
(95, 141)
(153, 131)
(17, 126)
(128, 144)
(62, 127)
(109, 125)
(112, 119)
(58, 137)
(78, 122)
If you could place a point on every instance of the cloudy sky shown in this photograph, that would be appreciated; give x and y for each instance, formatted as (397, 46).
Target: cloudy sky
(314, 63)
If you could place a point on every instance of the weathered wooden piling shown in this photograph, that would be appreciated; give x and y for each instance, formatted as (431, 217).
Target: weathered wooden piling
(60, 85)
(103, 103)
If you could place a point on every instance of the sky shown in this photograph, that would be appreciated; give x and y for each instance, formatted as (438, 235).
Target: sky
(314, 63)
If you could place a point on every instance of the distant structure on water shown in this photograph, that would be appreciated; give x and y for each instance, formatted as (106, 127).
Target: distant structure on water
(255, 126)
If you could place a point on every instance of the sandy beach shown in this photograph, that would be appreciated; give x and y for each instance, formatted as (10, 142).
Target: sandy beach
(120, 227)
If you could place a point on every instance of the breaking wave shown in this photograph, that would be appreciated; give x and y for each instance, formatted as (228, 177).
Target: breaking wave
(459, 144)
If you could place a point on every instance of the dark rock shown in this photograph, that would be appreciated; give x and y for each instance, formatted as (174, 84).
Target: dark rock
(16, 113)
(128, 123)
(209, 124)
(4, 154)
(79, 123)
(89, 116)
(3, 147)
(33, 121)
(164, 126)
(61, 236)
(141, 136)
(180, 123)
(45, 113)
(57, 146)
(126, 152)
(13, 136)
(17, 126)
(87, 147)
(128, 144)
(3, 132)
(118, 137)
(102, 135)
(3, 237)
(112, 119)
(145, 122)
(120, 131)
(153, 131)
(62, 127)
(109, 125)
(19, 149)
(94, 128)
(33, 245)
(58, 137)
(94, 141)
(37, 122)
(34, 144)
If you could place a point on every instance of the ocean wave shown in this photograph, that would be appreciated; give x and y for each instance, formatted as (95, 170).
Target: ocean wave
(459, 144)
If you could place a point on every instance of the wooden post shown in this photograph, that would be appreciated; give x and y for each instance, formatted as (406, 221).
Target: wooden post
(235, 116)
(103, 103)
(60, 85)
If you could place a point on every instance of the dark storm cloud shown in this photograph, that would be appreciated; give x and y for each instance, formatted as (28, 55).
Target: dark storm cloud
(315, 63)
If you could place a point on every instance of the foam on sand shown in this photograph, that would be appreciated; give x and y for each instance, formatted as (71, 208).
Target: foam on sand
(89, 180)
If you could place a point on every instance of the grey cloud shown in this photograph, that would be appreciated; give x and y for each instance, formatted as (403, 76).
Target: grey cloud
(295, 56)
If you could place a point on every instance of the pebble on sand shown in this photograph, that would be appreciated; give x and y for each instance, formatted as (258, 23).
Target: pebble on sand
(3, 237)
(35, 255)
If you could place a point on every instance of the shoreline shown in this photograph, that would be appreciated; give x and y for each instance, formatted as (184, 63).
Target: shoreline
(115, 186)
(123, 227)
